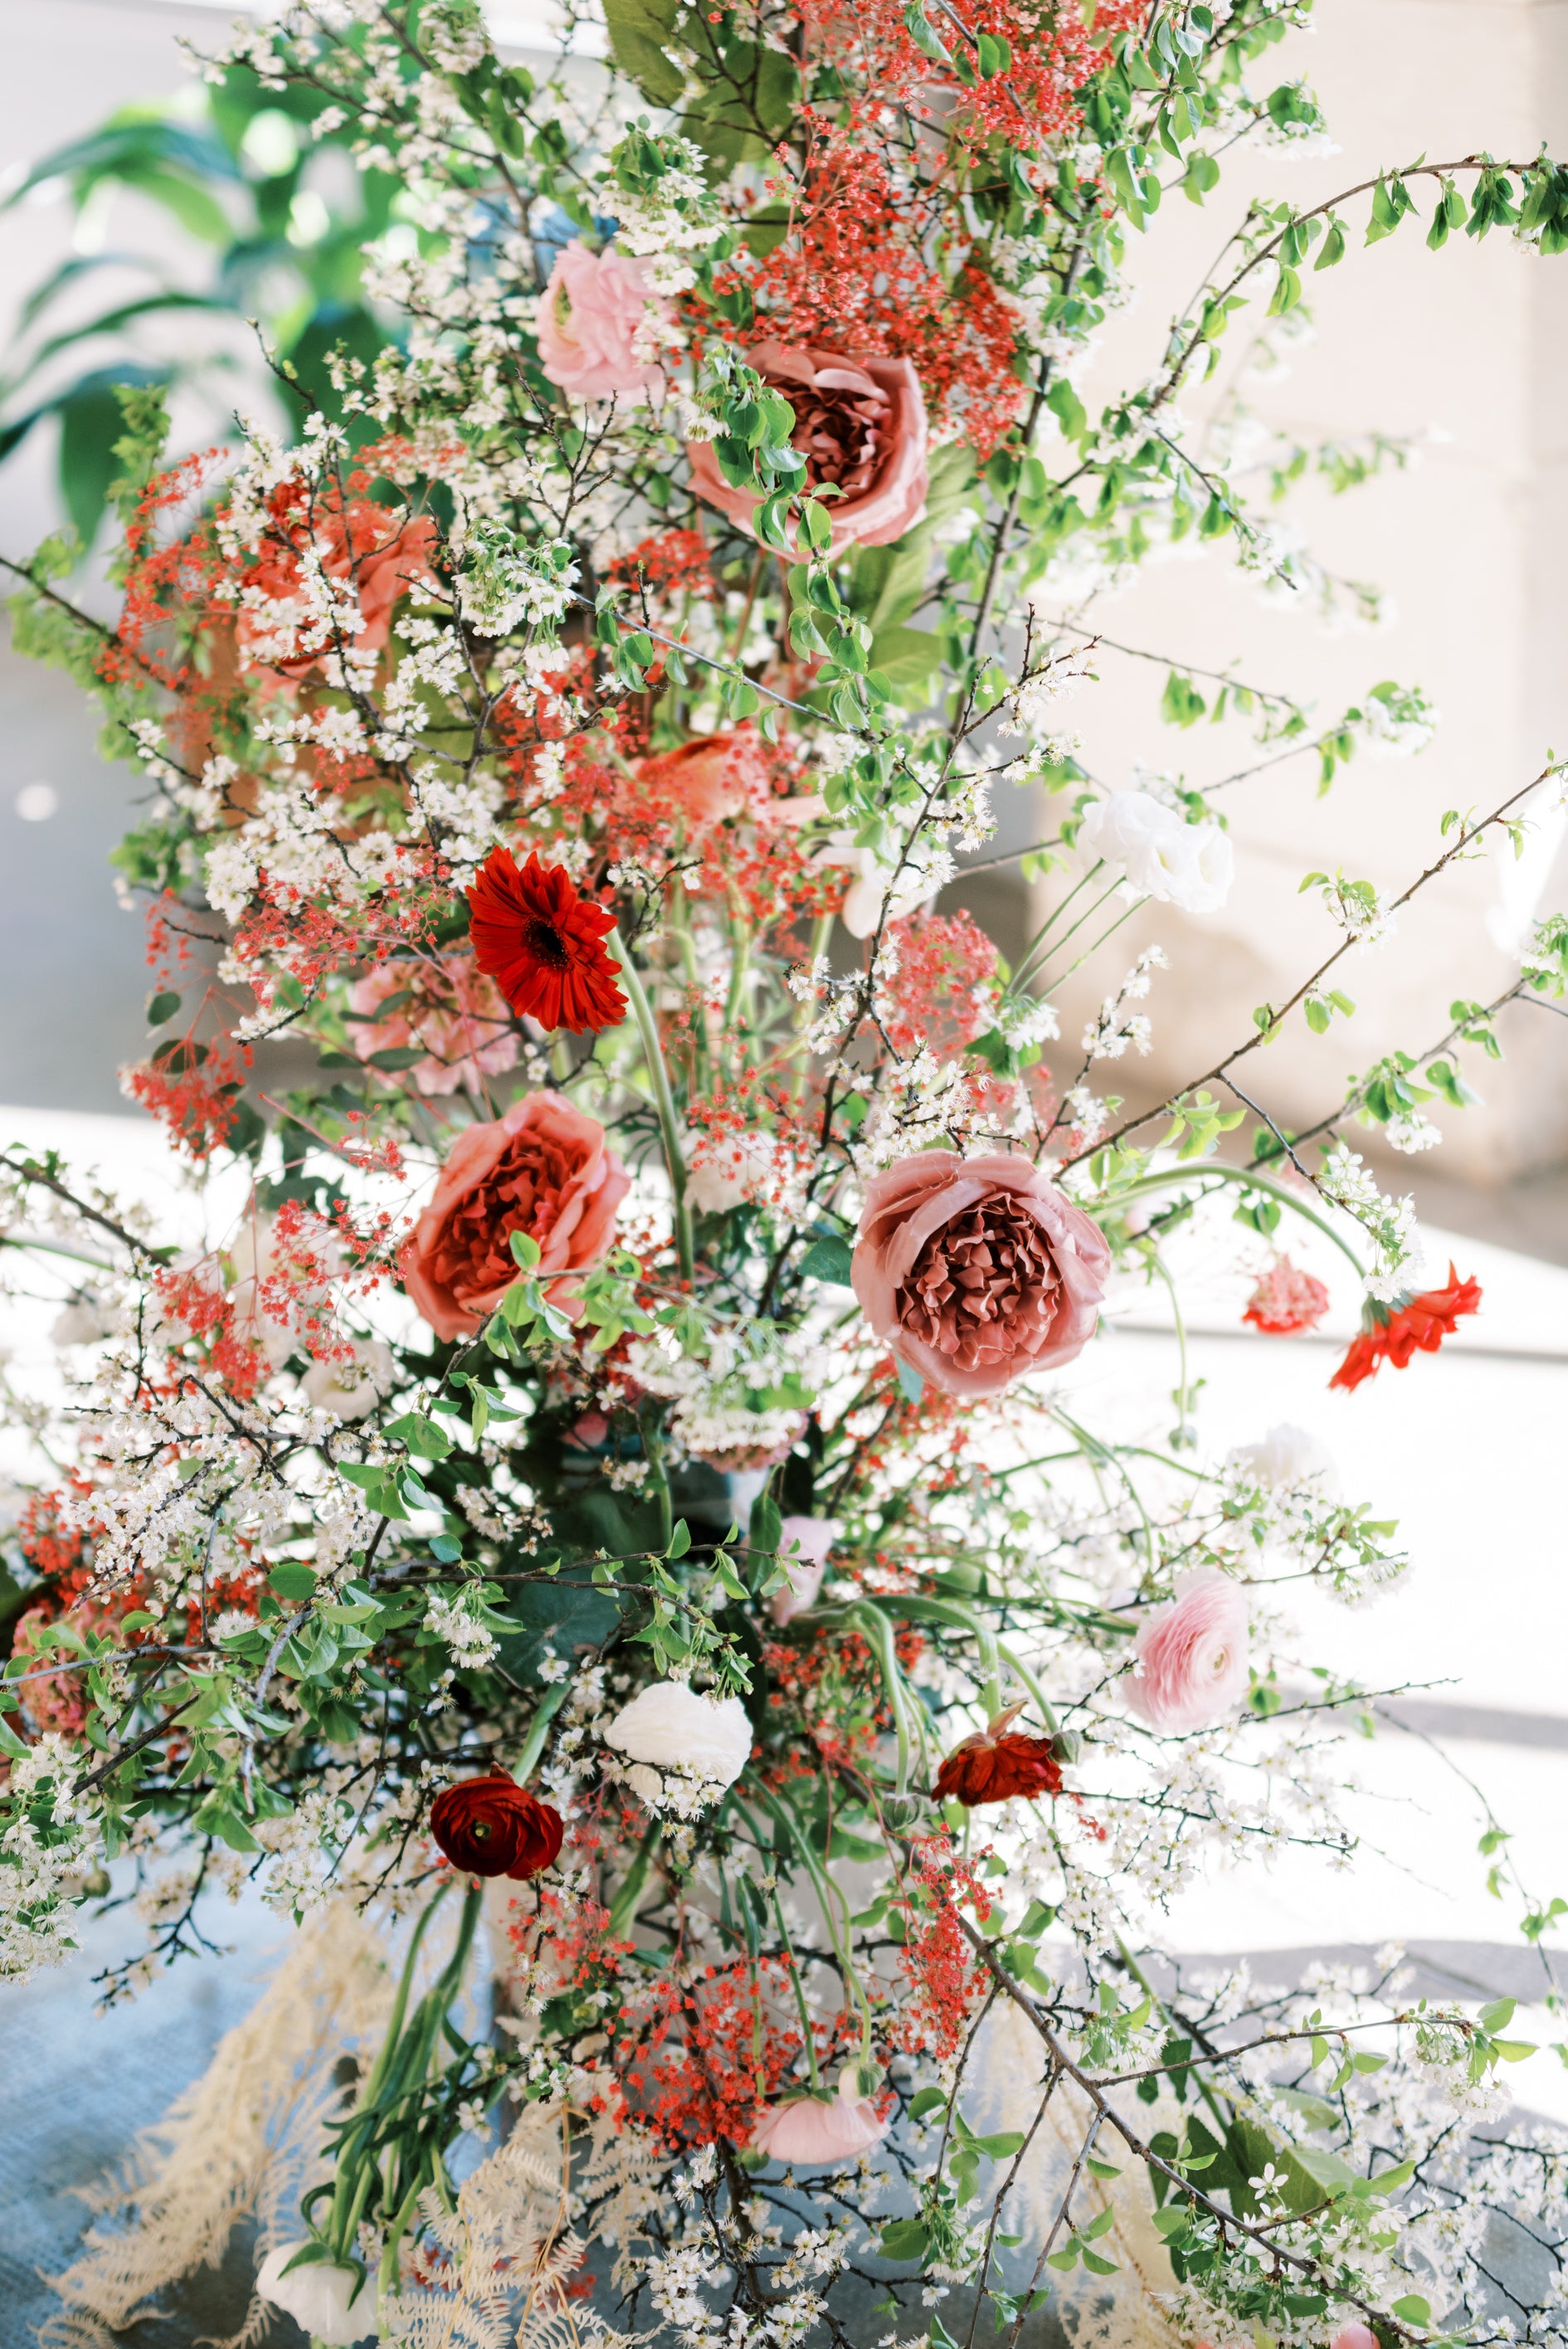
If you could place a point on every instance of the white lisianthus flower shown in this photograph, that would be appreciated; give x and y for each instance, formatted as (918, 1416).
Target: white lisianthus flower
(351, 1389)
(317, 2297)
(1191, 865)
(673, 1727)
(1286, 1455)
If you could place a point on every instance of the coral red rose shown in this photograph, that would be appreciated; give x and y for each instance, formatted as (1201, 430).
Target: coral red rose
(542, 944)
(493, 1826)
(1286, 1301)
(379, 553)
(707, 780)
(542, 1169)
(1421, 1321)
(860, 423)
(998, 1763)
(978, 1271)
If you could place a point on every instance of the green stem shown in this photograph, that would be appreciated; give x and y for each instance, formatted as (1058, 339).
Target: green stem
(664, 1099)
(550, 1705)
(1033, 951)
(623, 1908)
(797, 1982)
(1249, 1179)
(830, 1898)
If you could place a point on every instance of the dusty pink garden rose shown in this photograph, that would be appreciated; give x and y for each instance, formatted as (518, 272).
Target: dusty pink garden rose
(810, 1539)
(978, 1271)
(587, 320)
(1191, 1655)
(860, 423)
(806, 2129)
(451, 1008)
(542, 1169)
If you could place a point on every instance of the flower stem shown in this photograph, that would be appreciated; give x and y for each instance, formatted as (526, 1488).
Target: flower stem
(663, 1100)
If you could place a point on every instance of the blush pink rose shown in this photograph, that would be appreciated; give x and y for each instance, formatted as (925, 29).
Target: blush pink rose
(542, 1169)
(860, 423)
(451, 1008)
(587, 320)
(1191, 1655)
(978, 1271)
(804, 1545)
(806, 2129)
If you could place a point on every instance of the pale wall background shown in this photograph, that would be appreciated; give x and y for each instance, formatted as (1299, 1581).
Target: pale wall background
(1471, 342)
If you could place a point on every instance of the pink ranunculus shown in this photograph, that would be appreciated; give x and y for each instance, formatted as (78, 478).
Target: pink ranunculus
(1191, 1655)
(542, 1169)
(810, 1539)
(806, 2129)
(1355, 2336)
(978, 1271)
(453, 1010)
(588, 318)
(860, 423)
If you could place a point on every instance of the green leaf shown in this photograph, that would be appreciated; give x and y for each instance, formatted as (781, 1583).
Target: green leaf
(827, 1260)
(680, 1540)
(638, 31)
(1412, 2309)
(905, 656)
(162, 1006)
(904, 2238)
(291, 1580)
(421, 1435)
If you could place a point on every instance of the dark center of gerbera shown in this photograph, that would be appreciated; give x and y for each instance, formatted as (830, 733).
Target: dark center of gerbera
(546, 945)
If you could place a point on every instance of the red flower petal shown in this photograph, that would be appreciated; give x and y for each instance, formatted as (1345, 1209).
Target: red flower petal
(543, 944)
(983, 1771)
(1421, 1321)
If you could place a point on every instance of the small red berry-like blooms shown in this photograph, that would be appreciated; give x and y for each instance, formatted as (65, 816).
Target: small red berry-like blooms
(998, 1763)
(1393, 1335)
(542, 944)
(1286, 1301)
(493, 1826)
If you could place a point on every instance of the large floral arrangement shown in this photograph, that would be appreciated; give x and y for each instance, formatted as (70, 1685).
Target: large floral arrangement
(614, 1500)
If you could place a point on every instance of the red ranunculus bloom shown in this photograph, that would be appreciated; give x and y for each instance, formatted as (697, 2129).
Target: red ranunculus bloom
(1424, 1321)
(542, 944)
(1286, 1301)
(998, 1763)
(493, 1826)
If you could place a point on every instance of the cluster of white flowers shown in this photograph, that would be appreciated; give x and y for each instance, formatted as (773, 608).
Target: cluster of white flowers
(1389, 1224)
(504, 584)
(666, 224)
(455, 1618)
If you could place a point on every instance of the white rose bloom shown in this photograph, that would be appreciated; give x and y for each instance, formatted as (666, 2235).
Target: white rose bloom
(351, 1390)
(1185, 865)
(1286, 1455)
(673, 1727)
(316, 2297)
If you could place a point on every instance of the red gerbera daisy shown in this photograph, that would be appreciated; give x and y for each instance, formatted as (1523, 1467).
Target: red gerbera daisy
(998, 1763)
(542, 944)
(1395, 1332)
(1286, 1301)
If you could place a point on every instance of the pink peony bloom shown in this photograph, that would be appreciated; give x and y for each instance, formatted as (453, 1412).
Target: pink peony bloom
(453, 1010)
(811, 1539)
(860, 423)
(588, 318)
(978, 1271)
(542, 1169)
(1191, 1655)
(806, 2129)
